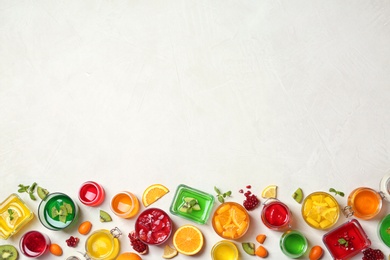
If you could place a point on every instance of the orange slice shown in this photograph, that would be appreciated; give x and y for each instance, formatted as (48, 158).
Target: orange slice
(269, 192)
(128, 256)
(153, 193)
(188, 240)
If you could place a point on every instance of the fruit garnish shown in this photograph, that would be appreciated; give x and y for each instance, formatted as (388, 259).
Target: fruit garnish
(128, 256)
(104, 216)
(336, 192)
(249, 248)
(72, 241)
(373, 254)
(55, 249)
(188, 240)
(63, 212)
(269, 192)
(298, 195)
(153, 193)
(388, 230)
(261, 238)
(189, 204)
(42, 193)
(251, 201)
(261, 251)
(137, 244)
(316, 253)
(28, 189)
(169, 252)
(85, 227)
(221, 196)
(8, 252)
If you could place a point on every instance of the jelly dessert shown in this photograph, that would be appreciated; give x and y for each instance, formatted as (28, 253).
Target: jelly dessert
(192, 204)
(276, 215)
(34, 244)
(153, 226)
(224, 250)
(320, 210)
(384, 230)
(230, 220)
(58, 211)
(347, 240)
(14, 214)
(103, 244)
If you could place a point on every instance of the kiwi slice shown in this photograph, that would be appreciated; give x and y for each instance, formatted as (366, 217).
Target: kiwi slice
(42, 193)
(104, 216)
(298, 195)
(8, 252)
(249, 248)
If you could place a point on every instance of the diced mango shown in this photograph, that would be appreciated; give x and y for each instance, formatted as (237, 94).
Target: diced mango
(330, 202)
(325, 223)
(317, 198)
(313, 222)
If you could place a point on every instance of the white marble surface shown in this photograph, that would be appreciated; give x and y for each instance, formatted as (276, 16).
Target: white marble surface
(204, 93)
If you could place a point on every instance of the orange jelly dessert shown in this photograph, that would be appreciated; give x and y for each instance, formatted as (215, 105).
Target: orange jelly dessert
(230, 220)
(320, 210)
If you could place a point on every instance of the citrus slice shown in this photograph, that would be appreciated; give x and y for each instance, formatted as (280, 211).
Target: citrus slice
(269, 192)
(128, 256)
(153, 193)
(188, 240)
(169, 252)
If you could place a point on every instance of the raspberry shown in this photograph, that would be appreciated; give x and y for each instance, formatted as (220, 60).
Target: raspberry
(137, 244)
(72, 241)
(373, 254)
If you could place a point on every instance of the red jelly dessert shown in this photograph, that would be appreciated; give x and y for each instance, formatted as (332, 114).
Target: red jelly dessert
(153, 226)
(347, 240)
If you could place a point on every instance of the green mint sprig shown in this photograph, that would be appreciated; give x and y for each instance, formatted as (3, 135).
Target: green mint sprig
(343, 242)
(336, 192)
(221, 196)
(11, 213)
(28, 189)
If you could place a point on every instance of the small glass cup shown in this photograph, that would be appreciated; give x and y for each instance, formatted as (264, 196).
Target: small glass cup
(364, 203)
(103, 244)
(91, 194)
(234, 212)
(320, 210)
(293, 244)
(34, 244)
(223, 250)
(276, 215)
(57, 211)
(384, 230)
(153, 226)
(125, 204)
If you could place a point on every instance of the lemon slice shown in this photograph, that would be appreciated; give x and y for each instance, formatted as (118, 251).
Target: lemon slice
(153, 193)
(12, 215)
(169, 252)
(269, 192)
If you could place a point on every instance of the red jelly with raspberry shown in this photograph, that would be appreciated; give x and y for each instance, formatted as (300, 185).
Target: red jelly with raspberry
(347, 240)
(153, 226)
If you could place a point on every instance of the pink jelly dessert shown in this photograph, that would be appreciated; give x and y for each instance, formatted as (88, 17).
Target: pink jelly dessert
(153, 226)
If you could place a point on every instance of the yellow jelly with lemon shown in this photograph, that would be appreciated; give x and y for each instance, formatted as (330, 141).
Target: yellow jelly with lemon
(14, 214)
(230, 220)
(320, 210)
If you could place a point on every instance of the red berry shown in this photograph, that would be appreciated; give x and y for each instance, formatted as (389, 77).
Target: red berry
(251, 201)
(241, 191)
(248, 186)
(72, 241)
(373, 254)
(137, 244)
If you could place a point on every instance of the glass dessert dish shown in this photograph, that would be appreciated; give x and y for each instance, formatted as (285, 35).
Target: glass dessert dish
(224, 250)
(125, 204)
(103, 244)
(14, 214)
(230, 220)
(192, 204)
(320, 210)
(57, 211)
(153, 226)
(347, 240)
(91, 194)
(293, 243)
(276, 215)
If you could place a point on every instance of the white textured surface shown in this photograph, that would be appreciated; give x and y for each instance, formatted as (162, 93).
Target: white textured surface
(226, 93)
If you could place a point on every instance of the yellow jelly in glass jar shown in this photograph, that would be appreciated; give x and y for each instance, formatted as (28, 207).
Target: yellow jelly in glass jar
(320, 210)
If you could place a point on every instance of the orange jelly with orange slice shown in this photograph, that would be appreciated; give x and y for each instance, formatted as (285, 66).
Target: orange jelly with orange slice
(230, 220)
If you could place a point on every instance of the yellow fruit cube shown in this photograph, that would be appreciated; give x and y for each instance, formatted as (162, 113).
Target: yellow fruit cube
(325, 223)
(312, 222)
(330, 202)
(317, 198)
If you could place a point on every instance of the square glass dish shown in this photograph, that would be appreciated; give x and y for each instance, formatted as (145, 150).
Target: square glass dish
(14, 214)
(347, 240)
(192, 204)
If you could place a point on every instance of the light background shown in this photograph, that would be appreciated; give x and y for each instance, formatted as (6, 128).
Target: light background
(203, 93)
